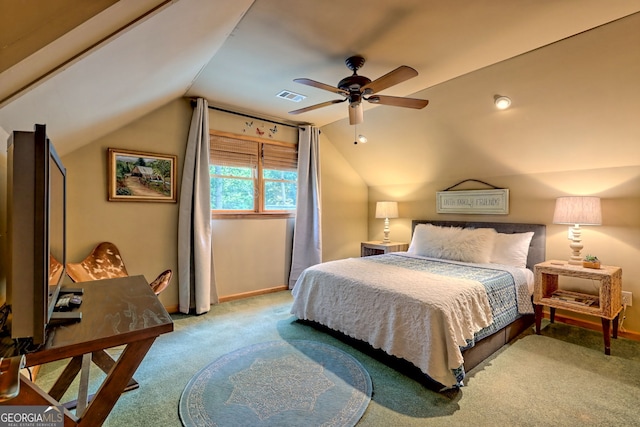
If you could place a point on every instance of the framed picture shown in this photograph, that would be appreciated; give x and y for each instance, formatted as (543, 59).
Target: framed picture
(486, 202)
(136, 176)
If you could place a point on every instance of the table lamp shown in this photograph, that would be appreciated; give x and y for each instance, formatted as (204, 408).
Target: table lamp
(386, 210)
(577, 210)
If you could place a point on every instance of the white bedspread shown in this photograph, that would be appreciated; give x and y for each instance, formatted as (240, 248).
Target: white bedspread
(421, 317)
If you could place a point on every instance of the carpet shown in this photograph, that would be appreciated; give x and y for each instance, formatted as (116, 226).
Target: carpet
(559, 383)
(278, 383)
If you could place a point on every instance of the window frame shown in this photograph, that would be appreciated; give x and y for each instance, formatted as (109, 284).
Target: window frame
(258, 183)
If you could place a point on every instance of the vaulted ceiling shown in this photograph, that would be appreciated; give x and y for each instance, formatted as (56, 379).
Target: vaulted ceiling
(88, 70)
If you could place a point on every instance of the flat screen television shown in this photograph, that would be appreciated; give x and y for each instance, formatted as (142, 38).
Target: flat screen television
(36, 232)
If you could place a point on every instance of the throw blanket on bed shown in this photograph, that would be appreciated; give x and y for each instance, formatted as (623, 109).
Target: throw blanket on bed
(421, 316)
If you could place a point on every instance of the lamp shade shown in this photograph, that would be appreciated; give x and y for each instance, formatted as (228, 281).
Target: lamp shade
(387, 210)
(578, 210)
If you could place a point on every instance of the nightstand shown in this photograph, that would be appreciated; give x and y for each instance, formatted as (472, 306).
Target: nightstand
(606, 305)
(379, 248)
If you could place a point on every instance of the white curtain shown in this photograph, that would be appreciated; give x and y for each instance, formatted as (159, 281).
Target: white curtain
(197, 287)
(307, 236)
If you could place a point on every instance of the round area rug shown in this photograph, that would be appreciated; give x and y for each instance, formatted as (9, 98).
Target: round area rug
(278, 383)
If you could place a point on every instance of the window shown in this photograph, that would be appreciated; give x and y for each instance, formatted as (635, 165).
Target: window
(252, 176)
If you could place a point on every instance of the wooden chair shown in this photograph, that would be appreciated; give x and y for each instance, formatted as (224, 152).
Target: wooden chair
(104, 262)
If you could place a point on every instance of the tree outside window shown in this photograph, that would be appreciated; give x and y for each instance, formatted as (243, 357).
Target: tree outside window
(251, 176)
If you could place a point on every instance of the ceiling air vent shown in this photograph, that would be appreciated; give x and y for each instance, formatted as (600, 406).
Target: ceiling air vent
(291, 96)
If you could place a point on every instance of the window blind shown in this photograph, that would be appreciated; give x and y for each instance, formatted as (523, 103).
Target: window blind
(279, 157)
(226, 151)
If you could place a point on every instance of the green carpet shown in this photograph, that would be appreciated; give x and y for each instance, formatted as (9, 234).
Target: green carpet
(560, 378)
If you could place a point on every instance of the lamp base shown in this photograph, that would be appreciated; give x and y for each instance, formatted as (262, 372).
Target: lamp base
(386, 231)
(576, 245)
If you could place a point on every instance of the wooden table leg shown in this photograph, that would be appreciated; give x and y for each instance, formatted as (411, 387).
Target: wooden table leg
(105, 362)
(102, 360)
(60, 387)
(616, 321)
(115, 383)
(552, 314)
(31, 394)
(538, 314)
(83, 390)
(606, 331)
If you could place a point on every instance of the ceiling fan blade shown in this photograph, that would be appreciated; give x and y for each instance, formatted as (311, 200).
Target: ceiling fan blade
(314, 107)
(392, 78)
(323, 86)
(398, 101)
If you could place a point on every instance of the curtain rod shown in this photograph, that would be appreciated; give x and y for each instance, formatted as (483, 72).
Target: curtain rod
(193, 103)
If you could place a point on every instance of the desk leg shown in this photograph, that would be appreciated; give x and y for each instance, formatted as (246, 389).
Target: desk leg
(65, 379)
(538, 314)
(115, 383)
(606, 331)
(31, 394)
(105, 362)
(83, 390)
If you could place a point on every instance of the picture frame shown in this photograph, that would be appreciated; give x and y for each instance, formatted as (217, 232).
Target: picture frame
(486, 202)
(138, 176)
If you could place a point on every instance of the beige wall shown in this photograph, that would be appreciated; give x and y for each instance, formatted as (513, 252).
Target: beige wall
(344, 205)
(532, 200)
(145, 233)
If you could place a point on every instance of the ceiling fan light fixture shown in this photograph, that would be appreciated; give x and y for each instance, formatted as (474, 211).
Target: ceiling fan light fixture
(502, 102)
(356, 113)
(356, 88)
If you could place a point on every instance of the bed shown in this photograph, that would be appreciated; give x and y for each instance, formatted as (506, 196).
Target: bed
(461, 292)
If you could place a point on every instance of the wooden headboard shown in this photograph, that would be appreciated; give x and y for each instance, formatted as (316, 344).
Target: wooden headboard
(536, 248)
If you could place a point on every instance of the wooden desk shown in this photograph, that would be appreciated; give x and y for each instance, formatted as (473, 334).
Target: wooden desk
(115, 312)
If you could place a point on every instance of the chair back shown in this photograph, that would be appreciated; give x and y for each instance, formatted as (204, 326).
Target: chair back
(104, 262)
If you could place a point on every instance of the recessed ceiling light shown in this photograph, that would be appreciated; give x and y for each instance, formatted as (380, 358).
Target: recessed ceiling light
(291, 96)
(502, 102)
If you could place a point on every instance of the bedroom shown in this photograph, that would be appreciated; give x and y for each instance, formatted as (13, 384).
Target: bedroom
(572, 130)
(584, 109)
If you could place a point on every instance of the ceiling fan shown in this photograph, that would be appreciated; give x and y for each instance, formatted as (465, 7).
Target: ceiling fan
(356, 88)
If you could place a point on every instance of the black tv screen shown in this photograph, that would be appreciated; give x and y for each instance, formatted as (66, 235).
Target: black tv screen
(36, 229)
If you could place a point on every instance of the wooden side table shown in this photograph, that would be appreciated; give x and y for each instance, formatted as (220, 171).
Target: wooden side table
(606, 305)
(379, 248)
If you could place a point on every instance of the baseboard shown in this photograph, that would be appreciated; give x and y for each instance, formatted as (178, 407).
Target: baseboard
(591, 325)
(252, 293)
(171, 309)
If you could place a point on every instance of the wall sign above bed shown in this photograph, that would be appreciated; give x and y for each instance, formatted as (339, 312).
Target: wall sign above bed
(487, 202)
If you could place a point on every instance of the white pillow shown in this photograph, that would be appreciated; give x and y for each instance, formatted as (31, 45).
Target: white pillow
(511, 249)
(454, 243)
